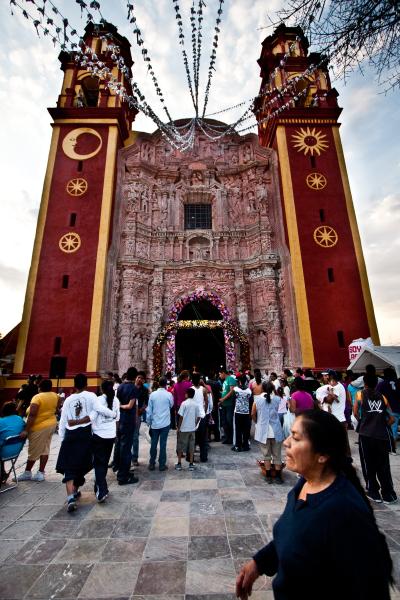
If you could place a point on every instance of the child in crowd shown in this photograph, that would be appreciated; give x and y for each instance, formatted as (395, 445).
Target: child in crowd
(188, 420)
(10, 424)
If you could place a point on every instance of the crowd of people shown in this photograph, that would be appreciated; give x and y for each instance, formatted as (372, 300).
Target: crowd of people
(306, 416)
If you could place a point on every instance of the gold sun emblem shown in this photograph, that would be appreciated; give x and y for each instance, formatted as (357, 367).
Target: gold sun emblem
(77, 187)
(325, 236)
(316, 181)
(310, 141)
(70, 242)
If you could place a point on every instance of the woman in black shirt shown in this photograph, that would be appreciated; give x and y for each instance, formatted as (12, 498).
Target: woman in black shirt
(326, 544)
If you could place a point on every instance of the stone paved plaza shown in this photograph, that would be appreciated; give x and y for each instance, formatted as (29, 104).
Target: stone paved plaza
(174, 534)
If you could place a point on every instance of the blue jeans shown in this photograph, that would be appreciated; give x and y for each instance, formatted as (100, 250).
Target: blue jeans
(123, 447)
(162, 435)
(135, 445)
(395, 425)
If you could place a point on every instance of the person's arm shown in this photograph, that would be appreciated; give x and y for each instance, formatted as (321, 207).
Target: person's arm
(254, 412)
(180, 419)
(390, 417)
(205, 400)
(33, 412)
(62, 425)
(292, 405)
(128, 406)
(228, 395)
(265, 561)
(356, 406)
(171, 401)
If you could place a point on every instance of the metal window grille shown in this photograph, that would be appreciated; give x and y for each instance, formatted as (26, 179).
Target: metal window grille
(197, 216)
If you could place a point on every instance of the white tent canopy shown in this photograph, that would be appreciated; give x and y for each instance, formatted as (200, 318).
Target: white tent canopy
(381, 357)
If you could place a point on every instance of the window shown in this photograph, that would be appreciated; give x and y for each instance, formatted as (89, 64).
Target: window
(65, 282)
(79, 166)
(322, 215)
(197, 216)
(331, 275)
(72, 219)
(90, 89)
(57, 345)
(340, 339)
(313, 162)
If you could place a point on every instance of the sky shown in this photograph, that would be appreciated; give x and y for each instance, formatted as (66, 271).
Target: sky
(30, 81)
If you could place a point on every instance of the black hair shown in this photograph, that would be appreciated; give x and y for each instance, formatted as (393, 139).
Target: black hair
(110, 374)
(190, 392)
(257, 376)
(299, 371)
(196, 379)
(131, 373)
(288, 372)
(117, 378)
(45, 385)
(390, 374)
(308, 373)
(243, 380)
(370, 380)
(269, 389)
(80, 381)
(107, 387)
(273, 376)
(328, 437)
(299, 384)
(183, 375)
(162, 382)
(9, 408)
(370, 369)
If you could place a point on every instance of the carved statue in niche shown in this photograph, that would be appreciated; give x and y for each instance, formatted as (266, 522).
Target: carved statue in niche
(141, 249)
(251, 201)
(144, 200)
(235, 203)
(261, 342)
(262, 198)
(137, 349)
(197, 178)
(247, 154)
(234, 159)
(129, 246)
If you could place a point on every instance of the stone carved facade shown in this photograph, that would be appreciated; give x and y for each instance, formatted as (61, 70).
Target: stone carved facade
(154, 261)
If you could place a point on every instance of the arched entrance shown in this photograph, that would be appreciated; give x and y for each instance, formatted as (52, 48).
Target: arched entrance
(236, 345)
(202, 347)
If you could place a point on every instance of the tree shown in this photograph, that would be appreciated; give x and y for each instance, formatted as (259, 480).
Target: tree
(352, 32)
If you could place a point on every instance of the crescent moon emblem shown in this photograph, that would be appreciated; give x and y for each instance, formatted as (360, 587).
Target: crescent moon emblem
(71, 140)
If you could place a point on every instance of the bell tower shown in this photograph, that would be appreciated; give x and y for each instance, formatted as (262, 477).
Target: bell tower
(297, 113)
(61, 326)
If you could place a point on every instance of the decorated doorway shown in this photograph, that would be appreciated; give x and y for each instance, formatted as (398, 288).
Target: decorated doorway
(200, 332)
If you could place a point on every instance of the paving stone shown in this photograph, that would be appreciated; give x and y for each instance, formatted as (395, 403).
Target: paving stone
(211, 526)
(201, 547)
(170, 526)
(111, 580)
(166, 548)
(170, 578)
(120, 550)
(60, 581)
(80, 551)
(210, 576)
(17, 579)
(245, 546)
(176, 496)
(96, 528)
(38, 551)
(127, 528)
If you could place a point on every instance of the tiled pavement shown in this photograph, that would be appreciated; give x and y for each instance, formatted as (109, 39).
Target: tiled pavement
(175, 534)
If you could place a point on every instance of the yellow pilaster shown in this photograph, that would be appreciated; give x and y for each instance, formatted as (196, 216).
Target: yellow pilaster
(303, 318)
(30, 290)
(101, 259)
(356, 239)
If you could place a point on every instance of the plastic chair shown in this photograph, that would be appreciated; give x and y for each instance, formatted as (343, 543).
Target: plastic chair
(18, 442)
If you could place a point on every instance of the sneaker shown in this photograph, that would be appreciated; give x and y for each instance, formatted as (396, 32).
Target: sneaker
(71, 505)
(131, 479)
(192, 467)
(151, 467)
(77, 495)
(135, 463)
(178, 467)
(39, 476)
(236, 449)
(374, 497)
(164, 468)
(101, 498)
(25, 476)
(392, 499)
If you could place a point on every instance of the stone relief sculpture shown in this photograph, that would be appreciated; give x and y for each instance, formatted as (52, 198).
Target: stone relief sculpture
(154, 250)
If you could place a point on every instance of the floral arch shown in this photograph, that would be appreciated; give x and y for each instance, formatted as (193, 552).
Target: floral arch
(231, 329)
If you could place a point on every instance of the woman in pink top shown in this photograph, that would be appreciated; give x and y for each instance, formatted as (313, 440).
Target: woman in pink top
(180, 388)
(300, 399)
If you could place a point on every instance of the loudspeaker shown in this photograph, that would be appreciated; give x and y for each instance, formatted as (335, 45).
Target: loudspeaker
(58, 367)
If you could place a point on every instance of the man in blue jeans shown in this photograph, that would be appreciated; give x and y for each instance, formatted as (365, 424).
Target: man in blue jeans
(127, 396)
(159, 421)
(142, 401)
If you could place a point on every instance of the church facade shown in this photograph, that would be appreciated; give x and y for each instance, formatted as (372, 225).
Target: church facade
(242, 252)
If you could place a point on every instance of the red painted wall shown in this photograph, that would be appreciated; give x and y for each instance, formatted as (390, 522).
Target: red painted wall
(338, 305)
(59, 312)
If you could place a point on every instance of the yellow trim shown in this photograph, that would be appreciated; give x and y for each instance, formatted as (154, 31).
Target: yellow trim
(356, 239)
(99, 121)
(68, 382)
(303, 318)
(101, 259)
(30, 288)
(67, 81)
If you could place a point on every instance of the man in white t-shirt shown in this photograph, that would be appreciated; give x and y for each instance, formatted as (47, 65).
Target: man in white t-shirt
(188, 418)
(332, 397)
